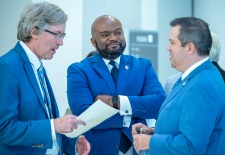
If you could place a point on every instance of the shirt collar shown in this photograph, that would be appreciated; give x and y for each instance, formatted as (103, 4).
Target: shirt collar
(117, 60)
(194, 66)
(31, 56)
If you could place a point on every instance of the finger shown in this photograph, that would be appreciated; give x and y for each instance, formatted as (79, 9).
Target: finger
(74, 126)
(135, 147)
(88, 147)
(134, 129)
(81, 139)
(137, 126)
(78, 121)
(71, 116)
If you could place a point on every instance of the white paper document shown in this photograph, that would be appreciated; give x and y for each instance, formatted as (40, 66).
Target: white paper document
(94, 115)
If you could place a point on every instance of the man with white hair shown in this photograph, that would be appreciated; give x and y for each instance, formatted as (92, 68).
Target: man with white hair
(215, 54)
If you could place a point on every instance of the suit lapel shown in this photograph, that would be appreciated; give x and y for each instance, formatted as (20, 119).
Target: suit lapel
(100, 67)
(185, 82)
(173, 93)
(30, 74)
(123, 73)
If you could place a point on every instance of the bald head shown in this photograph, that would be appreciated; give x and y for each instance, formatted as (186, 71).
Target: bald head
(108, 37)
(103, 20)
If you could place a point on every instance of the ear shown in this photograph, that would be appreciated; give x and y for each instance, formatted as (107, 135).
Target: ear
(93, 42)
(34, 33)
(190, 48)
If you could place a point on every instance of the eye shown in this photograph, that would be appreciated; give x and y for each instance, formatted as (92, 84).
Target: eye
(172, 43)
(104, 35)
(118, 33)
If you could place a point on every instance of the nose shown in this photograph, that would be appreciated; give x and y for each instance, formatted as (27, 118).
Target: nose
(112, 36)
(60, 41)
(168, 47)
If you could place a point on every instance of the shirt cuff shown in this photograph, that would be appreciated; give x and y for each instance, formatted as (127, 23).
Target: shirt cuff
(125, 110)
(53, 130)
(125, 107)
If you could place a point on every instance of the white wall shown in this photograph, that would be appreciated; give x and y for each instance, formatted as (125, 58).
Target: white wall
(213, 13)
(9, 14)
(149, 13)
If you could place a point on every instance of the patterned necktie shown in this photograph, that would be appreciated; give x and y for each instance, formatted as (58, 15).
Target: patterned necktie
(125, 142)
(47, 100)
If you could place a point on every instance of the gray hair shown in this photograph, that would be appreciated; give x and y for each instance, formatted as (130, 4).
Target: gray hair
(216, 48)
(39, 16)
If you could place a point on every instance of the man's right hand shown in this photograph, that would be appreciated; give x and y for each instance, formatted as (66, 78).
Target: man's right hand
(139, 127)
(67, 123)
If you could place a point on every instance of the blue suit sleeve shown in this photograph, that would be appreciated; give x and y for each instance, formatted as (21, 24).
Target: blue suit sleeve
(147, 104)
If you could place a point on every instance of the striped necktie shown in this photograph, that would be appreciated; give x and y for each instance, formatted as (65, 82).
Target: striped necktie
(47, 100)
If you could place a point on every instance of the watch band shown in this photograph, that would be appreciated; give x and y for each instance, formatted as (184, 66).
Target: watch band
(115, 100)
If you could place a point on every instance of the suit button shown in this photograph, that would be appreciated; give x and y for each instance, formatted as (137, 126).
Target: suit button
(41, 145)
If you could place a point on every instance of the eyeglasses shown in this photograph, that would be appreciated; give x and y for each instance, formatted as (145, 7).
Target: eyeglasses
(57, 35)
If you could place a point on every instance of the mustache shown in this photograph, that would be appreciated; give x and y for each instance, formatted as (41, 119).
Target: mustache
(113, 42)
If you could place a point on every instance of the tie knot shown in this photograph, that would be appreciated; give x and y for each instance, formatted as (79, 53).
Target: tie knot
(41, 69)
(113, 63)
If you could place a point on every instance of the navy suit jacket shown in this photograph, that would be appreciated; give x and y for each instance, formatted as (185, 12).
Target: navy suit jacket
(24, 125)
(136, 79)
(192, 118)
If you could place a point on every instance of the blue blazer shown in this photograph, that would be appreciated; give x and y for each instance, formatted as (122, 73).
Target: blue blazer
(191, 120)
(136, 79)
(24, 125)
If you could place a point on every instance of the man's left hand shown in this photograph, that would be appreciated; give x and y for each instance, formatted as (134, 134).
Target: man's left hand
(83, 146)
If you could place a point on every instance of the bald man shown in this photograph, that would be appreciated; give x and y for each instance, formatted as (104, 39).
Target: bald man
(121, 81)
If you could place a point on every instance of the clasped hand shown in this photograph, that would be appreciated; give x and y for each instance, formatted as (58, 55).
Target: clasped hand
(141, 136)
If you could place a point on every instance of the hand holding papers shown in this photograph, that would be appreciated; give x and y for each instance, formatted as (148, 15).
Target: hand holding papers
(93, 116)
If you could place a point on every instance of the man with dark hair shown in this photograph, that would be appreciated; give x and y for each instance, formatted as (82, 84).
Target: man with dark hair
(191, 119)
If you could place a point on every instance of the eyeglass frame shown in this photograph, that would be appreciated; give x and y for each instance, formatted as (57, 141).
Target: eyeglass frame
(57, 35)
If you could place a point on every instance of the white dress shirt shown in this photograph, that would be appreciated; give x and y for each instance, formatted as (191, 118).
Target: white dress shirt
(35, 63)
(125, 107)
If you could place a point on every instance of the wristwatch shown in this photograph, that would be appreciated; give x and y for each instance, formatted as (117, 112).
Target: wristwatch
(115, 100)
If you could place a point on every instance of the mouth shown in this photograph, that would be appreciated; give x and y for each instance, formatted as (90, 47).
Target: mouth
(114, 45)
(170, 57)
(53, 51)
